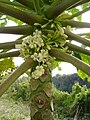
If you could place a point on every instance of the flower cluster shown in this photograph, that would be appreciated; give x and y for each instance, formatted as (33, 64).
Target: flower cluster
(42, 56)
(31, 43)
(34, 46)
(37, 45)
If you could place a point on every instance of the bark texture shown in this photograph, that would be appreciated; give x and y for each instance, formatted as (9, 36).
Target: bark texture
(41, 97)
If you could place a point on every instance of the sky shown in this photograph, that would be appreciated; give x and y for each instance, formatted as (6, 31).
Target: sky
(67, 68)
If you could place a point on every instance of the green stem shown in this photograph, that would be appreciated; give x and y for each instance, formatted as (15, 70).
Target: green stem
(9, 54)
(79, 3)
(54, 10)
(25, 17)
(77, 48)
(79, 13)
(27, 3)
(17, 73)
(11, 3)
(58, 53)
(75, 24)
(46, 1)
(83, 34)
(20, 30)
(37, 6)
(77, 38)
(9, 45)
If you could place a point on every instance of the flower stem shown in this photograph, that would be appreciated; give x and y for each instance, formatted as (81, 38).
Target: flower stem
(37, 6)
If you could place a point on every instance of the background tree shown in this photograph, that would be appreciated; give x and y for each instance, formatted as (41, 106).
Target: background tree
(45, 26)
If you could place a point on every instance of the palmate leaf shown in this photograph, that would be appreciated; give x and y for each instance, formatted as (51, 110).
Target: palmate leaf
(6, 64)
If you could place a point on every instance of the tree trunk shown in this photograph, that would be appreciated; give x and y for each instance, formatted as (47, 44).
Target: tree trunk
(41, 97)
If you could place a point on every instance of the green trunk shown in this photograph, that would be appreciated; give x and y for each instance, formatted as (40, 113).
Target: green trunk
(41, 97)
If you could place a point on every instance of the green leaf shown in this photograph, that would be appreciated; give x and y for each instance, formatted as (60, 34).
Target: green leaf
(79, 18)
(6, 64)
(15, 20)
(83, 75)
(74, 10)
(85, 5)
(86, 59)
(56, 64)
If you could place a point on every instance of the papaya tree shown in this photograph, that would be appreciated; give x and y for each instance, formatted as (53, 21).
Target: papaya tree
(46, 29)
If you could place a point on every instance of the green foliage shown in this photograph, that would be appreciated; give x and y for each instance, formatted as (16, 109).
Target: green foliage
(56, 64)
(18, 22)
(6, 65)
(85, 5)
(67, 106)
(86, 59)
(65, 82)
(20, 90)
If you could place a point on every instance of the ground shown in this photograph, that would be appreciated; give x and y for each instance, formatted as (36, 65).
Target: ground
(13, 110)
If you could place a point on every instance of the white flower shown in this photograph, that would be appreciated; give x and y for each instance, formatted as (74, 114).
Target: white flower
(34, 56)
(32, 45)
(40, 42)
(40, 57)
(24, 44)
(44, 53)
(37, 32)
(43, 56)
(38, 72)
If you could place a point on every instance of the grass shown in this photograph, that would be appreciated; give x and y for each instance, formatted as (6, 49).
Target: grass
(13, 110)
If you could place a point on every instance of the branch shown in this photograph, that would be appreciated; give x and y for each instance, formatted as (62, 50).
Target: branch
(77, 38)
(83, 34)
(77, 48)
(79, 13)
(20, 30)
(26, 3)
(75, 24)
(58, 53)
(54, 10)
(17, 73)
(10, 45)
(79, 3)
(25, 17)
(9, 54)
(11, 3)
